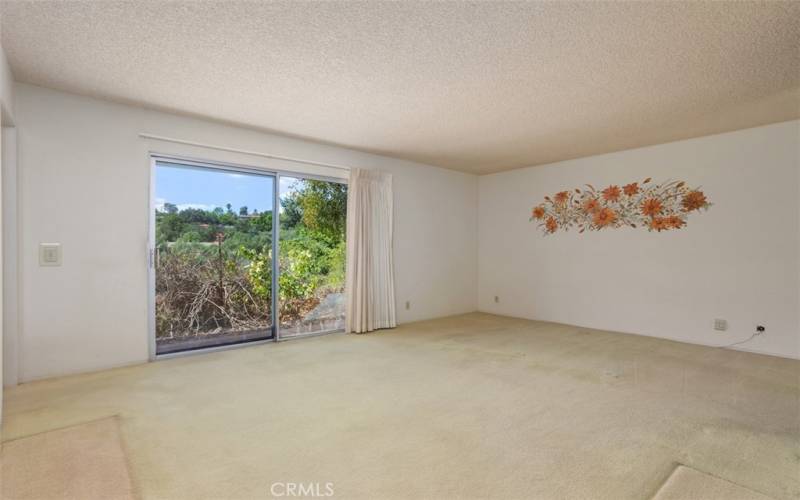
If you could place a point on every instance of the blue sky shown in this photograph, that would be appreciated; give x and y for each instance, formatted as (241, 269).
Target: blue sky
(207, 189)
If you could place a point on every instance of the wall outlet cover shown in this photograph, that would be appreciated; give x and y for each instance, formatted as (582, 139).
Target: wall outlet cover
(720, 325)
(50, 254)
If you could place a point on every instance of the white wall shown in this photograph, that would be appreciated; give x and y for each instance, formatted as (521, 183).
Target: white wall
(2, 330)
(738, 261)
(6, 122)
(84, 174)
(6, 91)
(10, 290)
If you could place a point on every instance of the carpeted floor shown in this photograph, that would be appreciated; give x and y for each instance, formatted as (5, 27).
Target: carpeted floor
(690, 484)
(84, 461)
(463, 407)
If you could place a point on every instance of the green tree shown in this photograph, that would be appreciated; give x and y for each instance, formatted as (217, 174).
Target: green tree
(263, 222)
(319, 206)
(325, 208)
(190, 237)
(292, 212)
(197, 215)
(228, 219)
(169, 227)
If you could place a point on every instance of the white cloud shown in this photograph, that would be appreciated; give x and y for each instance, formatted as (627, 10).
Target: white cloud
(285, 186)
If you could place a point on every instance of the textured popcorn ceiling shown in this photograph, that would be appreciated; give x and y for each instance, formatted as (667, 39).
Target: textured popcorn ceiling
(479, 87)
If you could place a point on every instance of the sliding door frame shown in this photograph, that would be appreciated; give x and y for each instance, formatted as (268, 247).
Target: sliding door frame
(151, 245)
(276, 272)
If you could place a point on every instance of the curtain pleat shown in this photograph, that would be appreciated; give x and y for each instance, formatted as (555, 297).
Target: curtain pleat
(370, 272)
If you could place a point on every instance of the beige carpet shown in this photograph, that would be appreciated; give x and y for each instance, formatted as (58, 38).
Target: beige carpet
(690, 484)
(473, 406)
(85, 462)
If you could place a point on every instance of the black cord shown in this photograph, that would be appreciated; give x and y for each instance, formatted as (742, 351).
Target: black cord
(742, 341)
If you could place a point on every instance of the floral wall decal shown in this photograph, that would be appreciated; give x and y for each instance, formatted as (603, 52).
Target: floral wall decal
(656, 207)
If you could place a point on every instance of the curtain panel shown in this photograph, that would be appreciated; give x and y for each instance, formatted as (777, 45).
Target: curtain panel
(370, 272)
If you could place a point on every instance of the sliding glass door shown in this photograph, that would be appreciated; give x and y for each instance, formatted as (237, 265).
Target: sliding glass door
(214, 234)
(312, 256)
(212, 256)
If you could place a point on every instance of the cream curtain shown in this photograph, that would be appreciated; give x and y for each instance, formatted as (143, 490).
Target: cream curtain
(370, 272)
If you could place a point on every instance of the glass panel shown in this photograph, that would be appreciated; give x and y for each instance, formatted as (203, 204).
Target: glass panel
(312, 256)
(213, 257)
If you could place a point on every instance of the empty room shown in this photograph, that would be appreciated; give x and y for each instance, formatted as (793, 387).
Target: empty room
(400, 250)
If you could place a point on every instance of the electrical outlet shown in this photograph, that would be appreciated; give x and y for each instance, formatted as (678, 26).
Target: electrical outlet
(720, 325)
(408, 305)
(496, 299)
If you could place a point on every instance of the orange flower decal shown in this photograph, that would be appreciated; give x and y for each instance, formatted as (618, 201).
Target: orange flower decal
(604, 217)
(694, 200)
(591, 205)
(631, 189)
(551, 225)
(652, 207)
(611, 193)
(659, 224)
(675, 222)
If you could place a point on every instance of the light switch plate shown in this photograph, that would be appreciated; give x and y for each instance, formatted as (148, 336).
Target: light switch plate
(50, 254)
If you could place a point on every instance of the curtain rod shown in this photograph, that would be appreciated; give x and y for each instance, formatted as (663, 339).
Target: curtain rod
(234, 150)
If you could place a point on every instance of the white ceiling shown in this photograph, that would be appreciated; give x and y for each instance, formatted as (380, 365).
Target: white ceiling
(474, 86)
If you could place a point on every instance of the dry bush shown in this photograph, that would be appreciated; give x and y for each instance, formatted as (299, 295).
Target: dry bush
(198, 294)
(203, 293)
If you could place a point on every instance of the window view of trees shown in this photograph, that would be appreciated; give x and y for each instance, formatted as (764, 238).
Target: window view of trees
(214, 268)
(312, 257)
